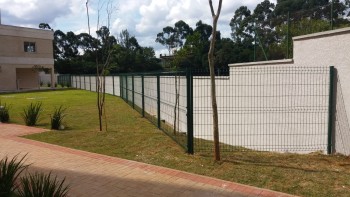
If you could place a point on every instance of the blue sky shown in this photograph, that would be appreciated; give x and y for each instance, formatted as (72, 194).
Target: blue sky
(143, 18)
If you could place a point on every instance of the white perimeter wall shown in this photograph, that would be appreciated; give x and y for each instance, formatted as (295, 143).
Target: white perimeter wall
(331, 48)
(325, 49)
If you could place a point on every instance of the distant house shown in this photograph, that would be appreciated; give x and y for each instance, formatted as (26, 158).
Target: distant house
(24, 52)
(166, 61)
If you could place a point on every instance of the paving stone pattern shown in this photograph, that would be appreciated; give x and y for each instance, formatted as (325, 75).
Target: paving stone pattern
(90, 174)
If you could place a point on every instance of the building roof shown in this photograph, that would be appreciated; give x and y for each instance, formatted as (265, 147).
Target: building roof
(7, 30)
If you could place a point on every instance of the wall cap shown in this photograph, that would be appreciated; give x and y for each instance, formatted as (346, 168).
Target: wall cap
(26, 32)
(323, 34)
(263, 63)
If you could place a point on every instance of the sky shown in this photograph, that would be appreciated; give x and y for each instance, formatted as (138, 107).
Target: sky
(142, 18)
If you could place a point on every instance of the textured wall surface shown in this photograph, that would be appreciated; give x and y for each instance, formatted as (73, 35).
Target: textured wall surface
(274, 105)
(325, 49)
(13, 56)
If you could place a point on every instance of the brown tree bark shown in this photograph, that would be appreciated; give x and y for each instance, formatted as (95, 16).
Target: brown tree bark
(101, 70)
(211, 59)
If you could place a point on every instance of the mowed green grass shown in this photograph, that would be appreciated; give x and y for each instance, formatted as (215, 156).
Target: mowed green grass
(132, 137)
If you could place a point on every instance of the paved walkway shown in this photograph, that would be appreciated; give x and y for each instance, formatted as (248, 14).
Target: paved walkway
(92, 174)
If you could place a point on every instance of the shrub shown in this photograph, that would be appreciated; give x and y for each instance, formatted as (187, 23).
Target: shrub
(31, 114)
(9, 173)
(57, 118)
(30, 185)
(4, 113)
(39, 184)
(48, 84)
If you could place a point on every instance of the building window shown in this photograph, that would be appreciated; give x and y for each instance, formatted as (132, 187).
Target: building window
(29, 47)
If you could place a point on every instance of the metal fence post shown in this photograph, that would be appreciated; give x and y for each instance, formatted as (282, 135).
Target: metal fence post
(126, 89)
(97, 81)
(113, 84)
(69, 78)
(133, 91)
(158, 100)
(330, 110)
(121, 86)
(90, 82)
(143, 95)
(189, 94)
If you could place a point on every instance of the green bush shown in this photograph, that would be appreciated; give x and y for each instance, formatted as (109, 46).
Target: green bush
(57, 118)
(42, 185)
(31, 114)
(4, 113)
(30, 185)
(9, 173)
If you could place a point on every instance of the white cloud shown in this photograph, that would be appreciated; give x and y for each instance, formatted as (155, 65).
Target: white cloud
(143, 19)
(33, 12)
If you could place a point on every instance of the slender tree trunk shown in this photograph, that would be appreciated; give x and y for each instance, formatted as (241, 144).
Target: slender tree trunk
(103, 101)
(101, 71)
(98, 90)
(211, 60)
(87, 13)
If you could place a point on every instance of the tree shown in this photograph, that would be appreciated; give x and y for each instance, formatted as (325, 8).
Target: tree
(103, 56)
(168, 38)
(182, 30)
(205, 30)
(65, 45)
(174, 37)
(225, 53)
(298, 28)
(211, 60)
(292, 6)
(129, 56)
(241, 26)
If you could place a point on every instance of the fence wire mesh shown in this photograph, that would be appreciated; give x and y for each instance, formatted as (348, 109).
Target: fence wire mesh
(272, 108)
(282, 109)
(342, 134)
(161, 98)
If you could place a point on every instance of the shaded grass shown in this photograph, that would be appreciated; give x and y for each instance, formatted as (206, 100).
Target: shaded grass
(132, 137)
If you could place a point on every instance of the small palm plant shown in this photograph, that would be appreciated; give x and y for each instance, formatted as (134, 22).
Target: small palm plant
(9, 173)
(57, 118)
(39, 184)
(4, 113)
(31, 113)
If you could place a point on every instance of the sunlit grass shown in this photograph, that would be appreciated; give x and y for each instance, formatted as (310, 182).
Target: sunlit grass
(132, 137)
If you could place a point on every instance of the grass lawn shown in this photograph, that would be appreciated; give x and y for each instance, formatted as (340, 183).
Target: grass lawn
(132, 137)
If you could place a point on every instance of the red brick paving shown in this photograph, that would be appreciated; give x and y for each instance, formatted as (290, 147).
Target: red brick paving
(91, 174)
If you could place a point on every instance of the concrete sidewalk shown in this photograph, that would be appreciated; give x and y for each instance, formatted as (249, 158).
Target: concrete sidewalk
(91, 174)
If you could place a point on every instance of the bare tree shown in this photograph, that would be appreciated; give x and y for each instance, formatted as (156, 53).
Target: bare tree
(101, 68)
(211, 59)
(87, 13)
